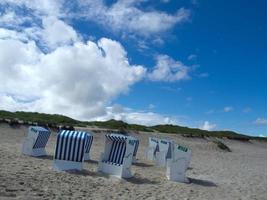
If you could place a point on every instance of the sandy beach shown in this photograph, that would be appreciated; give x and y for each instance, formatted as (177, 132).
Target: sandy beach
(214, 174)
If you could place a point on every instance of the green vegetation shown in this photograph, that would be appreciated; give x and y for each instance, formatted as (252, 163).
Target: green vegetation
(56, 120)
(194, 132)
(38, 117)
(222, 146)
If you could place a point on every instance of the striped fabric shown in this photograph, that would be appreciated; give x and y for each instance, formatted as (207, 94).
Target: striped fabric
(118, 149)
(116, 137)
(89, 144)
(136, 147)
(71, 145)
(42, 138)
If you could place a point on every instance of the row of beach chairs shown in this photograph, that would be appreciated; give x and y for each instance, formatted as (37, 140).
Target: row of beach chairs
(73, 148)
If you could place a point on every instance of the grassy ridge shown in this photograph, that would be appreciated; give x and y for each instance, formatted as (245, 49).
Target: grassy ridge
(55, 119)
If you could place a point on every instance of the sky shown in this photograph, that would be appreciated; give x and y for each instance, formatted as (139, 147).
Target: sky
(194, 63)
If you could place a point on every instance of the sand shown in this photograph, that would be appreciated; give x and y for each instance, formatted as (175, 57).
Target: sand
(214, 174)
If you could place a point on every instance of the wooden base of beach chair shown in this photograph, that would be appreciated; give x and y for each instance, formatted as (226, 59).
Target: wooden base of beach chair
(120, 171)
(63, 165)
(87, 156)
(161, 158)
(176, 170)
(134, 159)
(114, 170)
(28, 150)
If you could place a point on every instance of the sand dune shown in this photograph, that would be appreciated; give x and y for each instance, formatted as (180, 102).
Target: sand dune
(214, 174)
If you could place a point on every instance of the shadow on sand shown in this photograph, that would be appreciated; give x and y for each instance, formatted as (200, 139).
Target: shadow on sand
(200, 182)
(92, 161)
(85, 172)
(142, 165)
(47, 157)
(139, 180)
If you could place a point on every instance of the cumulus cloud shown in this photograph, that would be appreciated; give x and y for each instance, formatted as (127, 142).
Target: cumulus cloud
(207, 126)
(56, 33)
(169, 70)
(74, 80)
(126, 16)
(261, 121)
(55, 71)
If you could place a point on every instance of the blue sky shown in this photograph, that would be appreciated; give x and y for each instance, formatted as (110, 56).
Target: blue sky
(194, 63)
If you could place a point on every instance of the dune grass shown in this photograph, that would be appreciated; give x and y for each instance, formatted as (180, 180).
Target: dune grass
(55, 120)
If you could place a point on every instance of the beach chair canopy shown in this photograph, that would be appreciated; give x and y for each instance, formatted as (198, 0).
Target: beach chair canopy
(35, 142)
(72, 145)
(42, 136)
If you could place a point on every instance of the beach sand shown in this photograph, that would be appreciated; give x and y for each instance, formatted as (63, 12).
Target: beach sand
(214, 174)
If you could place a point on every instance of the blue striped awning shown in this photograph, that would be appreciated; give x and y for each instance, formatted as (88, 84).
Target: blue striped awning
(72, 145)
(42, 138)
(116, 137)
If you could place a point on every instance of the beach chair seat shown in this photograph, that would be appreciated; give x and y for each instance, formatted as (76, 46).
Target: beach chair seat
(164, 152)
(152, 149)
(117, 157)
(71, 150)
(178, 164)
(35, 141)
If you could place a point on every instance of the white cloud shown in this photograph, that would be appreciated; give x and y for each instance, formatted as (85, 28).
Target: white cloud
(126, 16)
(135, 117)
(76, 78)
(169, 70)
(261, 121)
(207, 126)
(73, 80)
(56, 32)
(262, 135)
(228, 109)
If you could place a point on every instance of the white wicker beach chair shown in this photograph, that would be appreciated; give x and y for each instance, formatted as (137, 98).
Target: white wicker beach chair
(178, 164)
(165, 152)
(117, 157)
(72, 147)
(153, 147)
(35, 142)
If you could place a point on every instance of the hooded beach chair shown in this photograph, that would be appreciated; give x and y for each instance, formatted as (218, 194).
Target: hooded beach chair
(117, 157)
(35, 142)
(165, 152)
(136, 145)
(178, 164)
(72, 147)
(152, 149)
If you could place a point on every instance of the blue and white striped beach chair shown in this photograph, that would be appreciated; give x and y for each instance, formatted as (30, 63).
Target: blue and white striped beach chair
(117, 157)
(178, 164)
(153, 148)
(136, 145)
(165, 151)
(35, 142)
(71, 149)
